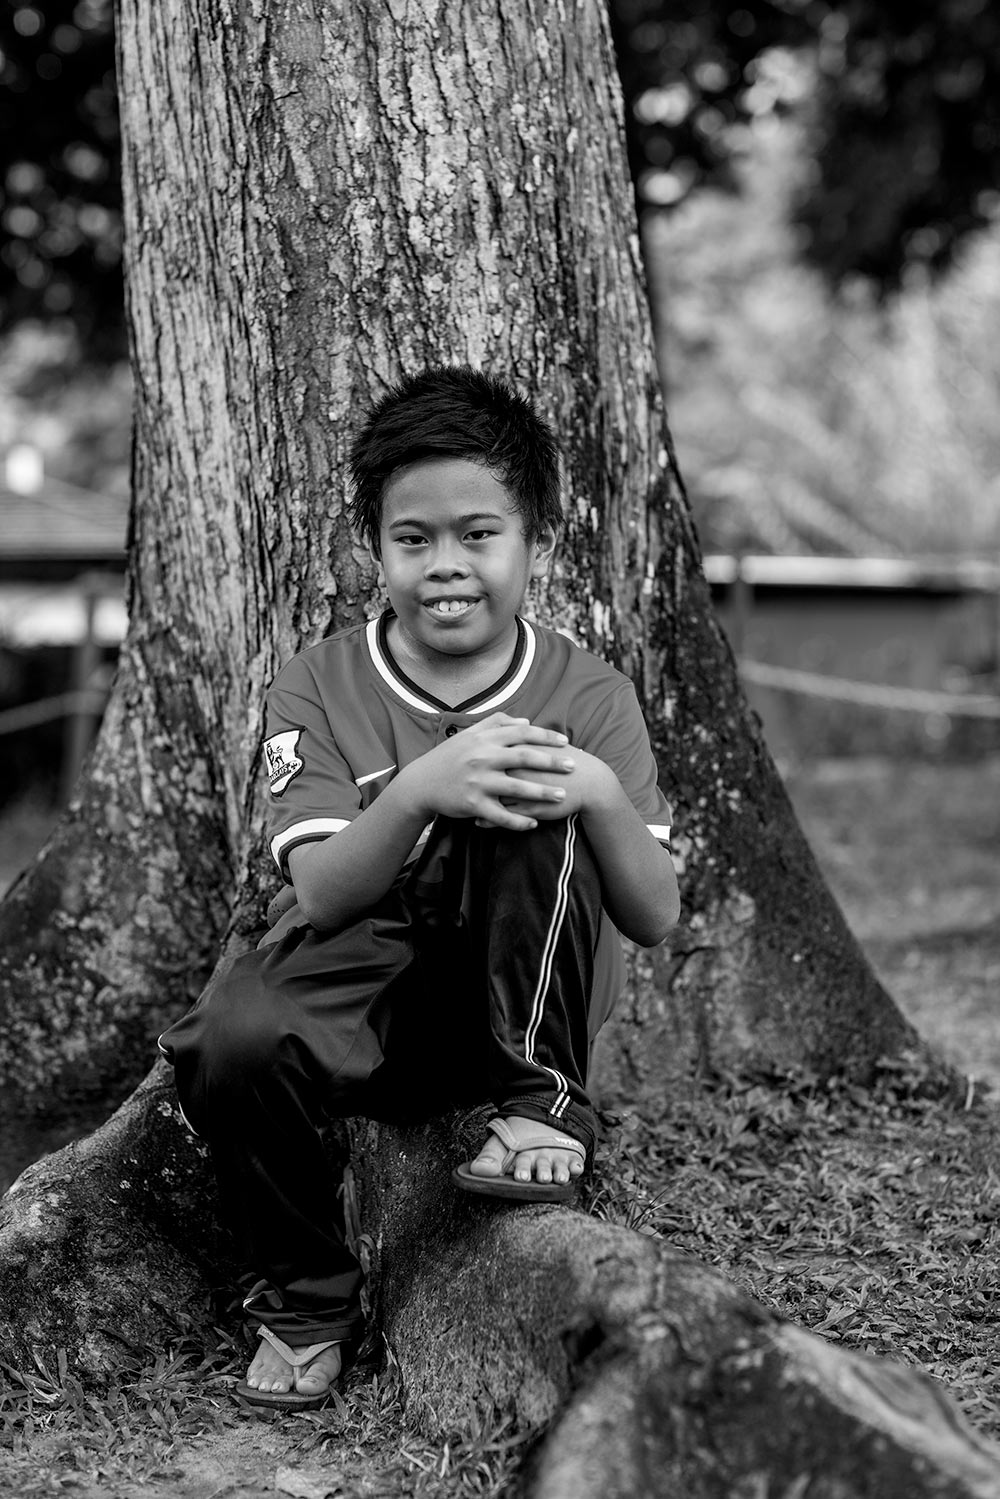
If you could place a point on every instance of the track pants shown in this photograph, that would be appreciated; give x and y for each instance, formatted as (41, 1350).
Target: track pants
(470, 981)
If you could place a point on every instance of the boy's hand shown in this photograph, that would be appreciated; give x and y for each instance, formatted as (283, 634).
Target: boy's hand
(482, 769)
(588, 784)
(280, 904)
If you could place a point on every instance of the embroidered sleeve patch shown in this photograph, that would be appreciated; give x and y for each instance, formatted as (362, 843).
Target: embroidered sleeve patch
(283, 760)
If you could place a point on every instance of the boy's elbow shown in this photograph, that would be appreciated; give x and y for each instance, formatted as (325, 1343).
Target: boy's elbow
(659, 922)
(653, 933)
(314, 904)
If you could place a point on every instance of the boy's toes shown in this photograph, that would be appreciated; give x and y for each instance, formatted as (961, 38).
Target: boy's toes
(546, 1167)
(273, 1375)
(489, 1161)
(269, 1373)
(319, 1375)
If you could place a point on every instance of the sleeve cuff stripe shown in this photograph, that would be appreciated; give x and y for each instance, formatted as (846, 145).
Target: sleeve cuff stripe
(301, 832)
(660, 830)
(373, 775)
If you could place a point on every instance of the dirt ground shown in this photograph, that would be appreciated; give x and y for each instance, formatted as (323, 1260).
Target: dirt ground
(912, 853)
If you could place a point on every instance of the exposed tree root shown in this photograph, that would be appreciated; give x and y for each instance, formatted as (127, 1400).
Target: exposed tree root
(104, 1242)
(659, 1374)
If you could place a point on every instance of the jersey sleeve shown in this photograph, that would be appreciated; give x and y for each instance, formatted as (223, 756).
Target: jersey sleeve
(616, 733)
(311, 788)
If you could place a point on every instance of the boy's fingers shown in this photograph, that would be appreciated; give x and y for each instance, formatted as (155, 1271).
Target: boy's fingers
(512, 789)
(537, 811)
(504, 817)
(534, 735)
(523, 731)
(539, 759)
(279, 904)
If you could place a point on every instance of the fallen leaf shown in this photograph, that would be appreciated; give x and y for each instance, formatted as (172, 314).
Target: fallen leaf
(306, 1483)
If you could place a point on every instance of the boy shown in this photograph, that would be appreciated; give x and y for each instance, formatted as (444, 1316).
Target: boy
(463, 804)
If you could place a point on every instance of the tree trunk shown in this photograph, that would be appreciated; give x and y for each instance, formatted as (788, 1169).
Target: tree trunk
(317, 198)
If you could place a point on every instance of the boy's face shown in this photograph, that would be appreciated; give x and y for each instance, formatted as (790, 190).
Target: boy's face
(455, 562)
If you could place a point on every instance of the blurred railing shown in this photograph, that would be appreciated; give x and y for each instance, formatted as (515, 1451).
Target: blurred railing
(870, 694)
(82, 706)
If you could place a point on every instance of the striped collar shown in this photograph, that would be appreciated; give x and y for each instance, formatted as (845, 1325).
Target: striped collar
(487, 701)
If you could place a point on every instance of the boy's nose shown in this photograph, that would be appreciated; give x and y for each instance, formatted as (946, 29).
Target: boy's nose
(445, 562)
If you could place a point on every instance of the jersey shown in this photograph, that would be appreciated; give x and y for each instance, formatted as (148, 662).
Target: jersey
(343, 719)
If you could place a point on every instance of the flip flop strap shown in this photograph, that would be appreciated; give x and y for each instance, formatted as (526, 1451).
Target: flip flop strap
(297, 1357)
(515, 1143)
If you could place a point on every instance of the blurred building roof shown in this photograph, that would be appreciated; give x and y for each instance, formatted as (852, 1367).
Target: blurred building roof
(921, 574)
(59, 522)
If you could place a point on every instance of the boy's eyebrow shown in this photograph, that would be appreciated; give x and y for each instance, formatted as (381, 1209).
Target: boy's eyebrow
(461, 520)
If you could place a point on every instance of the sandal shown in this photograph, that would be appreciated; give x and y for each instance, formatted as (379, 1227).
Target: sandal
(524, 1135)
(298, 1358)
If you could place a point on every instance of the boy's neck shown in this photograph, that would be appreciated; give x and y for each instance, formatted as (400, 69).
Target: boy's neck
(451, 679)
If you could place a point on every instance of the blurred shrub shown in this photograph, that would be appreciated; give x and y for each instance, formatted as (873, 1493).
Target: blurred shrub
(809, 421)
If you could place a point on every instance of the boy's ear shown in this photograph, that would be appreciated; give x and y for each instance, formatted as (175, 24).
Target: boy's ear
(378, 564)
(544, 545)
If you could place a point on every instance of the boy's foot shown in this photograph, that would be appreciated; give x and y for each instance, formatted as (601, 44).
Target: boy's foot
(547, 1162)
(295, 1377)
(524, 1160)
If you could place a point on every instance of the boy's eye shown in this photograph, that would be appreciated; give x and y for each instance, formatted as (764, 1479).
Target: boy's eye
(409, 541)
(478, 535)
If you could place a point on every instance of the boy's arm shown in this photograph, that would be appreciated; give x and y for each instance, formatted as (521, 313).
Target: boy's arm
(339, 877)
(637, 875)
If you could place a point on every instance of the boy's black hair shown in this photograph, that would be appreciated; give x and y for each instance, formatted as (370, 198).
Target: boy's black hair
(455, 411)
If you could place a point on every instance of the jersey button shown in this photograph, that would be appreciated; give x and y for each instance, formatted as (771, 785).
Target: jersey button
(451, 729)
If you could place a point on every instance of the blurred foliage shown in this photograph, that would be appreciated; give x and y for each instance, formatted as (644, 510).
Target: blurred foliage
(60, 168)
(696, 74)
(902, 100)
(78, 420)
(907, 134)
(814, 421)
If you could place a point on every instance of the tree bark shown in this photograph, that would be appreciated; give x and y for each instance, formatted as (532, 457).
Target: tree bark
(317, 198)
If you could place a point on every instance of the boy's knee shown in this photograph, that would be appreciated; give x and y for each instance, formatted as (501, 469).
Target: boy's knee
(557, 849)
(246, 1043)
(231, 1042)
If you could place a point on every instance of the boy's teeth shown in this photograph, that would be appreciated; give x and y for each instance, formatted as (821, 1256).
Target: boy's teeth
(450, 606)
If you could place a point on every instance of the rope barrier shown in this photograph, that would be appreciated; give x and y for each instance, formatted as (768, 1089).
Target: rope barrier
(29, 715)
(870, 694)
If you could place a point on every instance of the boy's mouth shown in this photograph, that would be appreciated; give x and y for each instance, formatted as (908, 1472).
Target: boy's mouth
(449, 608)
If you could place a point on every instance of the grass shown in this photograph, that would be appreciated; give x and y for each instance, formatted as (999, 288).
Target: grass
(871, 1216)
(168, 1425)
